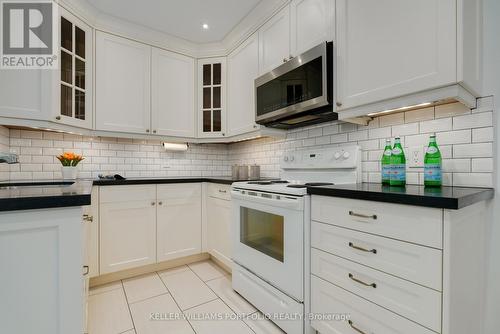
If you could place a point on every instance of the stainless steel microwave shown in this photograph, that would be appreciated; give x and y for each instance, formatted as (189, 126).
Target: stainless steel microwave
(298, 92)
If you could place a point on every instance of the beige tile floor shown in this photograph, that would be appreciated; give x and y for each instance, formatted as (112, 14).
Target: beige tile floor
(175, 301)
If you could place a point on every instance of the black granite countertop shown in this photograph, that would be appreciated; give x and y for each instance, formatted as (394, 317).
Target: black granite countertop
(444, 197)
(174, 179)
(28, 195)
(42, 195)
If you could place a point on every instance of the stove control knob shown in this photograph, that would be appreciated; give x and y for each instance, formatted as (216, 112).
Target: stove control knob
(336, 155)
(346, 155)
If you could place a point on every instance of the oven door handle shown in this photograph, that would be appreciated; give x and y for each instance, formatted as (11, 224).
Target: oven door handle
(276, 200)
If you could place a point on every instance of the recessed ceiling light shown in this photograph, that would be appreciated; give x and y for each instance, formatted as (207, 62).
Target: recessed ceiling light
(205, 26)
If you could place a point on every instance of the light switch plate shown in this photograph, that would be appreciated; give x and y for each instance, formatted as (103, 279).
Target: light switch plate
(416, 157)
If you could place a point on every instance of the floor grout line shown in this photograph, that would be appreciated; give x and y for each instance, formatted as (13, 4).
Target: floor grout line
(175, 301)
(128, 306)
(222, 300)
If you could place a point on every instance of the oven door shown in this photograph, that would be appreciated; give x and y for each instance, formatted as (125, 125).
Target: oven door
(268, 238)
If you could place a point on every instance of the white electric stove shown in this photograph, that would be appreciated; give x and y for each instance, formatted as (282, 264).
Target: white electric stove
(271, 226)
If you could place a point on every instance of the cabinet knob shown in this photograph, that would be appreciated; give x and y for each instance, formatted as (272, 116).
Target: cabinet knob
(339, 104)
(223, 134)
(58, 118)
(153, 203)
(154, 131)
(255, 126)
(160, 203)
(147, 130)
(284, 60)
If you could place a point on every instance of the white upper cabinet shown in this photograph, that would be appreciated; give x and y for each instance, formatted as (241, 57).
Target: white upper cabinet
(74, 82)
(172, 95)
(26, 94)
(311, 23)
(123, 73)
(242, 69)
(274, 41)
(390, 49)
(212, 97)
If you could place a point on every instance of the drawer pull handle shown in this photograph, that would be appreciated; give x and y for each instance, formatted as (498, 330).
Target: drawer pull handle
(222, 191)
(374, 251)
(354, 327)
(354, 214)
(351, 276)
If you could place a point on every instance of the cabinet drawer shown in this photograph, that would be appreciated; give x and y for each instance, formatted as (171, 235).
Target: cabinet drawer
(363, 316)
(110, 194)
(419, 264)
(409, 223)
(187, 191)
(222, 191)
(412, 301)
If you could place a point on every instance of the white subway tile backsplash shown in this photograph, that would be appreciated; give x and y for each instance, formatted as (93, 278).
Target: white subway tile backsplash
(358, 135)
(340, 138)
(465, 140)
(456, 165)
(436, 125)
(451, 109)
(483, 150)
(473, 179)
(482, 135)
(405, 129)
(473, 121)
(484, 104)
(419, 115)
(482, 165)
(380, 133)
(453, 137)
(393, 119)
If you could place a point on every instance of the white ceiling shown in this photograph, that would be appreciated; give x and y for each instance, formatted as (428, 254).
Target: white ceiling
(181, 18)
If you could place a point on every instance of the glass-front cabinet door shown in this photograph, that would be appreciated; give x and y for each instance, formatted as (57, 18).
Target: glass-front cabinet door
(211, 97)
(75, 75)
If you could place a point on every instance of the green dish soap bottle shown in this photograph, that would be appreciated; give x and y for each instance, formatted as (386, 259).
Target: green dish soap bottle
(398, 165)
(433, 176)
(386, 163)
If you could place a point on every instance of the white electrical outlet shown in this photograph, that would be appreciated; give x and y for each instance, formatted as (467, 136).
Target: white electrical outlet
(416, 157)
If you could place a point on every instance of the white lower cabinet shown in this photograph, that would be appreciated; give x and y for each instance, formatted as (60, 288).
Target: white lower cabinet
(127, 226)
(218, 203)
(411, 300)
(361, 316)
(423, 283)
(147, 224)
(178, 220)
(91, 223)
(41, 281)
